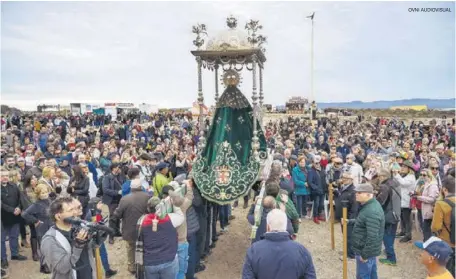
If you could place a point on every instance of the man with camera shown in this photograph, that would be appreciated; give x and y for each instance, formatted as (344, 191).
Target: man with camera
(65, 249)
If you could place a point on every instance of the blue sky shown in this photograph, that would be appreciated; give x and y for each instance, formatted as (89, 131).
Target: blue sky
(136, 52)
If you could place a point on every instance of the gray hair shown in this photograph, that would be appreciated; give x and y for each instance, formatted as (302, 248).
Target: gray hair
(277, 220)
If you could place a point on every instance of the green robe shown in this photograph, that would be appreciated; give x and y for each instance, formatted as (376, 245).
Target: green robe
(226, 169)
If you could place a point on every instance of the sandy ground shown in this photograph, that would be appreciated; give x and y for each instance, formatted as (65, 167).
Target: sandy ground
(227, 258)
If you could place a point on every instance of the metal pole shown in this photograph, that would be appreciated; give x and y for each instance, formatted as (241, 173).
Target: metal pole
(255, 139)
(331, 215)
(216, 84)
(344, 228)
(202, 140)
(261, 87)
(311, 66)
(312, 63)
(261, 95)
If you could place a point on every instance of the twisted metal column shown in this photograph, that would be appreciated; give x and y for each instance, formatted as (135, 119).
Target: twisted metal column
(261, 87)
(202, 139)
(216, 84)
(261, 96)
(255, 139)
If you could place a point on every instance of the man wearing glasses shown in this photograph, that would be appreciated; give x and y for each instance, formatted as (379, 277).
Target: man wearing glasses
(65, 252)
(11, 217)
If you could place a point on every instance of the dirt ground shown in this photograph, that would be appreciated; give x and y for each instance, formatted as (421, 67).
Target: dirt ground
(227, 258)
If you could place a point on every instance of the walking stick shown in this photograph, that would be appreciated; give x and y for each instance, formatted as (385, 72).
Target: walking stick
(98, 264)
(331, 215)
(344, 229)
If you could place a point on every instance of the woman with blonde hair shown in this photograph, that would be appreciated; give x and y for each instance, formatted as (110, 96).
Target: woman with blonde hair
(48, 178)
(38, 217)
(428, 196)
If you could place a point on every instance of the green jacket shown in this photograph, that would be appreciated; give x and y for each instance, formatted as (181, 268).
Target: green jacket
(367, 236)
(159, 182)
(291, 212)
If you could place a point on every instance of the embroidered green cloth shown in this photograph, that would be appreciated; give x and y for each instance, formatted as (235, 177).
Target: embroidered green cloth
(226, 168)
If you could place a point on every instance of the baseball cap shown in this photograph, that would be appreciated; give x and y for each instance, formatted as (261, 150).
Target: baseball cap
(161, 166)
(384, 172)
(364, 188)
(347, 174)
(437, 248)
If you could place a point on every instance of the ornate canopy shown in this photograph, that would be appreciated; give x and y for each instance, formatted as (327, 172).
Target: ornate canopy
(232, 46)
(229, 159)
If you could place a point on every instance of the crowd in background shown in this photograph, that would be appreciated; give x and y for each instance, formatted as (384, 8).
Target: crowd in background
(133, 163)
(385, 170)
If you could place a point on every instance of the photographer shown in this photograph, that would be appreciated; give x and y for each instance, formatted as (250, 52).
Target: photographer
(65, 252)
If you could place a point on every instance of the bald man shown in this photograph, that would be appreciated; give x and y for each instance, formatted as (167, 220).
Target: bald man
(277, 256)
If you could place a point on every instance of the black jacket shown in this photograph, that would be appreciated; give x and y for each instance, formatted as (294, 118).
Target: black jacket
(111, 186)
(10, 200)
(347, 194)
(39, 211)
(81, 190)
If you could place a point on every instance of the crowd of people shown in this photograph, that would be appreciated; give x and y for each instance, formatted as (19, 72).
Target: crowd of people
(93, 167)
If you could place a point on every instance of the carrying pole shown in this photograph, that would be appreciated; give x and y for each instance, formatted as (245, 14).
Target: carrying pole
(98, 265)
(344, 228)
(331, 215)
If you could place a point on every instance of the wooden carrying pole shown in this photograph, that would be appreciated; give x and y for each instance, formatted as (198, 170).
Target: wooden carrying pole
(98, 265)
(331, 215)
(344, 228)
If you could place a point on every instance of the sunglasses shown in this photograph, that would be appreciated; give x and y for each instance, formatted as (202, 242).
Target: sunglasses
(434, 168)
(423, 175)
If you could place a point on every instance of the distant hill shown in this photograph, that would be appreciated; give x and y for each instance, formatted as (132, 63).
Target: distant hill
(430, 103)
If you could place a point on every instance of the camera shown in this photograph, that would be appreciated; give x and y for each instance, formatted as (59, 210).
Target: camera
(95, 231)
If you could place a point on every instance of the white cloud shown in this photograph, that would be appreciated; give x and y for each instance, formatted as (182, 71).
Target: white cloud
(140, 51)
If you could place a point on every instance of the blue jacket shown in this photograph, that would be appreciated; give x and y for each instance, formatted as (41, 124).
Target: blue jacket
(317, 182)
(278, 257)
(344, 150)
(43, 138)
(300, 181)
(94, 172)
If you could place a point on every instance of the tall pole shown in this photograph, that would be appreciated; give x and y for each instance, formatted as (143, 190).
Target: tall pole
(202, 140)
(216, 84)
(345, 246)
(255, 139)
(311, 65)
(331, 215)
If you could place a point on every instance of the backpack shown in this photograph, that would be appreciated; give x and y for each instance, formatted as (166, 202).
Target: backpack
(451, 230)
(393, 205)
